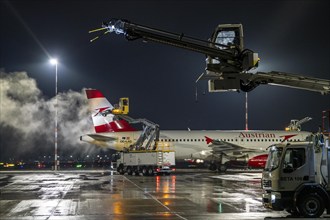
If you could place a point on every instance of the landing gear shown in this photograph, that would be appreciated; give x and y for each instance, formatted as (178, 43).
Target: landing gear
(217, 165)
(213, 166)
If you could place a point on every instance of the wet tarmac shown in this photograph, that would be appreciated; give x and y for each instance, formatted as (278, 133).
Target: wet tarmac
(106, 195)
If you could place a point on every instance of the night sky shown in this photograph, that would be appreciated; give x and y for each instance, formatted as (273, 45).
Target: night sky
(290, 36)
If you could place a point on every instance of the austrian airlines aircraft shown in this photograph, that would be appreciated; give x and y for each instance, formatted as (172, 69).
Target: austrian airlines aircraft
(117, 134)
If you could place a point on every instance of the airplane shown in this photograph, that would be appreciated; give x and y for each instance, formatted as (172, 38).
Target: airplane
(208, 145)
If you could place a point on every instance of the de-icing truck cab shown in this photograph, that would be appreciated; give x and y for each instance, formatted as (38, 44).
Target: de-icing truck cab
(296, 177)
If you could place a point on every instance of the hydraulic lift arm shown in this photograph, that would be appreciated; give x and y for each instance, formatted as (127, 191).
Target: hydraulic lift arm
(227, 62)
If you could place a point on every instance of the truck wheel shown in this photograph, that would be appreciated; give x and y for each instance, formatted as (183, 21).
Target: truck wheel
(311, 205)
(120, 169)
(136, 171)
(150, 171)
(144, 171)
(129, 171)
(222, 168)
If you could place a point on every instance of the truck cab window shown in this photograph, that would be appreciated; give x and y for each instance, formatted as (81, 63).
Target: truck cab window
(293, 159)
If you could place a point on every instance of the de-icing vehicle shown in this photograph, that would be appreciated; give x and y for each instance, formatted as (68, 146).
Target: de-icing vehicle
(296, 177)
(227, 64)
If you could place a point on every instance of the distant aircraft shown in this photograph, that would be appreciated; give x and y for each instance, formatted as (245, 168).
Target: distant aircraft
(206, 145)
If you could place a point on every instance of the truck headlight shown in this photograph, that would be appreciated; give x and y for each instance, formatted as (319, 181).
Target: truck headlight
(275, 196)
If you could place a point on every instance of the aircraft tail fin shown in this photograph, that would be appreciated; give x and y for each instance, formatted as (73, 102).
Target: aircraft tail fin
(98, 104)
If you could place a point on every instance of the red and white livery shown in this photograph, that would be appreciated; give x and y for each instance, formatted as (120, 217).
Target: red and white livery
(117, 134)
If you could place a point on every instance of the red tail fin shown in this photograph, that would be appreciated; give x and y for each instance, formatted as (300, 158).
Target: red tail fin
(98, 103)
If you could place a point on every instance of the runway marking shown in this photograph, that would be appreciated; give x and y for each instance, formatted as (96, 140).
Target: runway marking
(154, 198)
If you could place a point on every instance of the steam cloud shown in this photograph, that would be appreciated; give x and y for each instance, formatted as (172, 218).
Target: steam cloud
(27, 119)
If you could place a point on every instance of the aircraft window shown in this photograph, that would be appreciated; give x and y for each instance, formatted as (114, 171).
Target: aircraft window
(247, 139)
(176, 140)
(180, 140)
(161, 140)
(187, 139)
(242, 140)
(232, 140)
(236, 140)
(276, 140)
(195, 140)
(199, 139)
(258, 140)
(255, 140)
(192, 140)
(262, 140)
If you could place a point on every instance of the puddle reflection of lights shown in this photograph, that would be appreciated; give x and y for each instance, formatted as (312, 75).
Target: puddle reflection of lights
(247, 207)
(166, 214)
(157, 183)
(220, 208)
(166, 185)
(117, 208)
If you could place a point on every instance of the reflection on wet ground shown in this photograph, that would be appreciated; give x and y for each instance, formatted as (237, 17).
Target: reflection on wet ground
(104, 195)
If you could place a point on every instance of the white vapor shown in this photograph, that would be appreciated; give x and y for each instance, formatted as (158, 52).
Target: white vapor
(27, 118)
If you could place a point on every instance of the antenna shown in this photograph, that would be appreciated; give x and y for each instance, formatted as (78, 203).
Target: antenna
(246, 112)
(196, 93)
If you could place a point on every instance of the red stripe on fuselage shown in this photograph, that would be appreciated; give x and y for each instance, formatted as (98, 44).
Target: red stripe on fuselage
(114, 126)
(93, 93)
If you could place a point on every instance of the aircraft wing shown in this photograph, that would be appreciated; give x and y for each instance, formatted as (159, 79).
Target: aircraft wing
(219, 146)
(223, 146)
(292, 81)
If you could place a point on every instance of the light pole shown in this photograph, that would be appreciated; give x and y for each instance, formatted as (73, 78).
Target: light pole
(54, 62)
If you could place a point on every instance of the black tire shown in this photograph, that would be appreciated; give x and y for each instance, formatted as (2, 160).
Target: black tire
(144, 171)
(136, 171)
(120, 169)
(222, 168)
(129, 170)
(311, 205)
(150, 171)
(213, 167)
